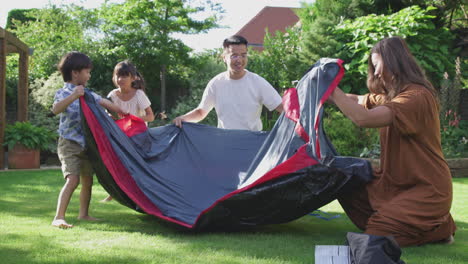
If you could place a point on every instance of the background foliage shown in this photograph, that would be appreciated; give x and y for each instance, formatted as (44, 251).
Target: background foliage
(143, 32)
(348, 139)
(41, 98)
(278, 62)
(208, 65)
(414, 24)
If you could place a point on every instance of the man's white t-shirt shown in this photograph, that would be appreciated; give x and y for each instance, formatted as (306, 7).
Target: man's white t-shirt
(238, 103)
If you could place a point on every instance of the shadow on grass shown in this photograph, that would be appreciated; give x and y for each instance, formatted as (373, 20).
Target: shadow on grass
(31, 193)
(58, 253)
(34, 194)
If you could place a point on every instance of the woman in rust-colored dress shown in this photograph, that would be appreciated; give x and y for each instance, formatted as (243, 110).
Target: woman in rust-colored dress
(411, 194)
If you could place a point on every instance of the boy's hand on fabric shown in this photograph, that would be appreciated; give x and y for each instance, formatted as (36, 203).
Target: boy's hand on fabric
(79, 91)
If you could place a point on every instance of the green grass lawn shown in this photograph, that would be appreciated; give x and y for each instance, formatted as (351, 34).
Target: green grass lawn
(27, 206)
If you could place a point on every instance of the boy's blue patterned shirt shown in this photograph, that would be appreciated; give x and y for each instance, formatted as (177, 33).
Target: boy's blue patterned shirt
(70, 119)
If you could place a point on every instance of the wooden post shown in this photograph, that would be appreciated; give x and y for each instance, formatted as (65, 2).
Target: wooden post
(22, 111)
(9, 43)
(3, 45)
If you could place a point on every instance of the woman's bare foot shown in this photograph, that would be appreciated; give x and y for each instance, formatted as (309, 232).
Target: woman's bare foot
(88, 218)
(61, 223)
(448, 241)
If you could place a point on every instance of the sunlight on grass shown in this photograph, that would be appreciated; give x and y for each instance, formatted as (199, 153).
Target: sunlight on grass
(27, 206)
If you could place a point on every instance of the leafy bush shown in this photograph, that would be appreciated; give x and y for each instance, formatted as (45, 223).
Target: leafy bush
(32, 137)
(348, 139)
(41, 99)
(269, 119)
(431, 46)
(207, 66)
(279, 63)
(372, 152)
(43, 91)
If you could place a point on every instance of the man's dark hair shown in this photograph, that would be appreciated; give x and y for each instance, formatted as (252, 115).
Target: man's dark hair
(234, 40)
(73, 61)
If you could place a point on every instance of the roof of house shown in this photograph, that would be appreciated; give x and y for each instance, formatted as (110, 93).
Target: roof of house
(271, 18)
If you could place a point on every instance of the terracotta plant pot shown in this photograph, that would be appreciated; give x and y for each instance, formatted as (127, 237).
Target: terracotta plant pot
(21, 157)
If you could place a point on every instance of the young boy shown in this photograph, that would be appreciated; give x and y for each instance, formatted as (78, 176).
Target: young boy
(75, 68)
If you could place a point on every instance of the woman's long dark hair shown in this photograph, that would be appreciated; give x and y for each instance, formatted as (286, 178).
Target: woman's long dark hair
(400, 64)
(126, 68)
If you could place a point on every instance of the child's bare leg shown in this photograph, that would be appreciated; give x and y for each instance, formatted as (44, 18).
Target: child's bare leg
(85, 197)
(68, 188)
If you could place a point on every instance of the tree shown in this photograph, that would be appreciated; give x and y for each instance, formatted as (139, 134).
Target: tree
(278, 62)
(431, 46)
(18, 15)
(320, 39)
(319, 18)
(52, 32)
(143, 31)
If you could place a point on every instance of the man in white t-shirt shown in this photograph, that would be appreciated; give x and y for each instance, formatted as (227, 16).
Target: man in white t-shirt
(237, 94)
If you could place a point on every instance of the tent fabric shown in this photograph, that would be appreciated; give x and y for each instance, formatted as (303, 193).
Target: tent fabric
(370, 249)
(202, 177)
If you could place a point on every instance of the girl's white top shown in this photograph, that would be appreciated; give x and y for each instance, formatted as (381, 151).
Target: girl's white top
(135, 106)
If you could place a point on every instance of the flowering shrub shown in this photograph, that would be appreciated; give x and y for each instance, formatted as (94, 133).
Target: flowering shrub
(454, 135)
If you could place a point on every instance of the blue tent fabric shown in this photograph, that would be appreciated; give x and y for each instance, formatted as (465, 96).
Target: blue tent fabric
(202, 177)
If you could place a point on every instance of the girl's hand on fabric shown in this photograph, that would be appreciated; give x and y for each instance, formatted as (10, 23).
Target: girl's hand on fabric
(178, 121)
(121, 112)
(162, 115)
(123, 115)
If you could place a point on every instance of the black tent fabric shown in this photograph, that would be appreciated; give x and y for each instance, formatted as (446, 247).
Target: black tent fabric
(370, 249)
(201, 177)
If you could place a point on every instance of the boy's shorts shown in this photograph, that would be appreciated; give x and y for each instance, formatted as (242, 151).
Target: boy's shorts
(73, 158)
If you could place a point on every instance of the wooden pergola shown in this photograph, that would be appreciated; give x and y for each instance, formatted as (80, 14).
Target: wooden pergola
(11, 44)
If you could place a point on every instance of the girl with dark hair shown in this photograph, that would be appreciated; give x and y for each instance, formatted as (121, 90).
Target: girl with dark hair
(129, 94)
(411, 195)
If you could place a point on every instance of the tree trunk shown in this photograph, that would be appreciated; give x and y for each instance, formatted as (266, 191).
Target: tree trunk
(163, 88)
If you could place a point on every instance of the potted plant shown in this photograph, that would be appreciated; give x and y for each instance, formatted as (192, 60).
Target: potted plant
(25, 141)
